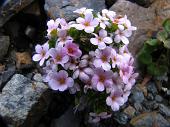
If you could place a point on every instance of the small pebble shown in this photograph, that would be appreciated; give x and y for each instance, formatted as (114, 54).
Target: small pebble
(150, 97)
(37, 77)
(137, 96)
(158, 98)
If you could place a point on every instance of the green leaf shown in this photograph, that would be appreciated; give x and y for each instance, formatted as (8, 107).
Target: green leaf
(157, 70)
(148, 48)
(145, 58)
(52, 43)
(166, 25)
(167, 43)
(162, 36)
(152, 42)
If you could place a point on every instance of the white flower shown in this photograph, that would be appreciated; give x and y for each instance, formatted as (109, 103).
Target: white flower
(101, 39)
(88, 23)
(83, 10)
(103, 21)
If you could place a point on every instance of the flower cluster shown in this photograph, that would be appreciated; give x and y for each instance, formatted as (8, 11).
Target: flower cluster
(89, 54)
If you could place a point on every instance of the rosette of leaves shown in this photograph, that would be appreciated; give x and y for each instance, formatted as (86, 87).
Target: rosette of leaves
(154, 57)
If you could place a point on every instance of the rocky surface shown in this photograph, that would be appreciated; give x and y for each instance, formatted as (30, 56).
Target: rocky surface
(149, 120)
(10, 7)
(65, 8)
(4, 42)
(147, 20)
(22, 102)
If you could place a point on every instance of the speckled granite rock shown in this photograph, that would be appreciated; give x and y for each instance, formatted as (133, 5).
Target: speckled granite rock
(11, 7)
(65, 8)
(147, 20)
(22, 102)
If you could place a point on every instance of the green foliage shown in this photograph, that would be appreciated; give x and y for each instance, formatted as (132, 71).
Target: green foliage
(154, 55)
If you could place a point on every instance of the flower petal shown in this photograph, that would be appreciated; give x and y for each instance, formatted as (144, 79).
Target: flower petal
(89, 29)
(94, 41)
(37, 57)
(100, 86)
(108, 40)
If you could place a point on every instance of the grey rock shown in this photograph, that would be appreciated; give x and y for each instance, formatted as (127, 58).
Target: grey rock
(38, 77)
(68, 119)
(121, 118)
(137, 97)
(158, 98)
(22, 102)
(164, 110)
(152, 88)
(168, 92)
(4, 42)
(150, 97)
(6, 75)
(147, 20)
(148, 120)
(138, 106)
(151, 105)
(65, 8)
(10, 8)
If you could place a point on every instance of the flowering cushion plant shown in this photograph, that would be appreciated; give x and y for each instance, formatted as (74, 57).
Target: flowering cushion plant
(90, 57)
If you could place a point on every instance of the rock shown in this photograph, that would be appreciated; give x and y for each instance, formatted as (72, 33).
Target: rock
(130, 111)
(144, 3)
(23, 60)
(152, 88)
(10, 8)
(150, 97)
(2, 68)
(38, 77)
(4, 42)
(138, 107)
(6, 75)
(150, 105)
(33, 8)
(22, 102)
(65, 8)
(168, 92)
(148, 119)
(147, 20)
(158, 98)
(68, 119)
(137, 97)
(121, 118)
(164, 110)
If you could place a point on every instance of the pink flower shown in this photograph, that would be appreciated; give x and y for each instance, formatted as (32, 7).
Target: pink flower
(124, 23)
(101, 79)
(75, 88)
(63, 38)
(60, 81)
(83, 74)
(122, 35)
(95, 118)
(101, 40)
(59, 56)
(131, 81)
(73, 50)
(52, 25)
(116, 58)
(63, 24)
(42, 53)
(115, 100)
(103, 21)
(71, 64)
(125, 72)
(83, 10)
(103, 58)
(88, 23)
(110, 14)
